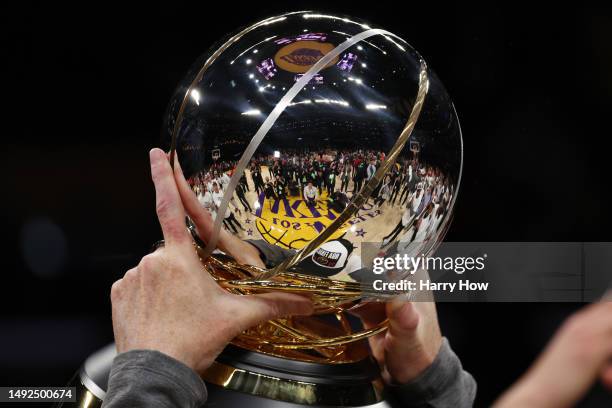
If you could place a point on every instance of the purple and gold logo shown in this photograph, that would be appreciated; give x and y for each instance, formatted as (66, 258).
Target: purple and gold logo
(299, 56)
(303, 56)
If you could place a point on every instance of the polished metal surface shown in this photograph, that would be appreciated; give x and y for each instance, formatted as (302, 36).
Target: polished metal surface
(306, 131)
(298, 392)
(353, 109)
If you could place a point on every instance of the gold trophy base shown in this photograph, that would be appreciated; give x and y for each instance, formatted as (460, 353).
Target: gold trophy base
(242, 377)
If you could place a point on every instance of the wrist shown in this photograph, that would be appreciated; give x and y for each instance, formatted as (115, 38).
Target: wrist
(412, 366)
(444, 376)
(185, 357)
(413, 370)
(199, 364)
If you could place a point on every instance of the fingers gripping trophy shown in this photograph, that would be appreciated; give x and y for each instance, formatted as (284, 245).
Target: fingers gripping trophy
(296, 136)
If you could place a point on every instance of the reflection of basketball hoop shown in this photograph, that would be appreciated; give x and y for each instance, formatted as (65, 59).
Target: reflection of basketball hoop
(216, 153)
(415, 147)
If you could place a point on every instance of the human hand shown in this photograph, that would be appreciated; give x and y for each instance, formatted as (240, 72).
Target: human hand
(170, 304)
(410, 344)
(579, 354)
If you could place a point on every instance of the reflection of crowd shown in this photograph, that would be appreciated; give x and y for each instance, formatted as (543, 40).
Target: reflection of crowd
(209, 188)
(426, 195)
(421, 190)
(299, 173)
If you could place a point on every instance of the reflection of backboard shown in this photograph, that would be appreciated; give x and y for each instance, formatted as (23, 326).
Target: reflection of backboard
(216, 153)
(415, 146)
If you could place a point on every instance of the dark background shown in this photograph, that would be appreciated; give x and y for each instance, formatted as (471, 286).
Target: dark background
(86, 87)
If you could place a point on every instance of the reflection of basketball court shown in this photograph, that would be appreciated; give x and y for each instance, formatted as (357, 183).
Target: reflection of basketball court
(290, 223)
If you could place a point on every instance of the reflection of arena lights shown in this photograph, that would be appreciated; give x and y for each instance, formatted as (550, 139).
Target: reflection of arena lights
(267, 68)
(374, 46)
(255, 45)
(316, 80)
(261, 89)
(323, 100)
(248, 61)
(356, 80)
(346, 20)
(393, 41)
(195, 95)
(332, 101)
(275, 20)
(374, 106)
(347, 61)
(302, 37)
(312, 37)
(252, 112)
(305, 101)
(359, 47)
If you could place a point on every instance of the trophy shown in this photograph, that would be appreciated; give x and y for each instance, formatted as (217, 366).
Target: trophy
(324, 142)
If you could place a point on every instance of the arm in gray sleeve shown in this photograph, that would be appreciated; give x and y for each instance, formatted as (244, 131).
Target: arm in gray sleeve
(443, 384)
(148, 378)
(270, 254)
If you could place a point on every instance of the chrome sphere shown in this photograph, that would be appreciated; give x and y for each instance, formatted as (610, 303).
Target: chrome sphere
(321, 139)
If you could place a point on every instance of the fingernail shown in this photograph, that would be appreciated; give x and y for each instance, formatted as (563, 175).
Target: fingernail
(404, 297)
(399, 301)
(156, 154)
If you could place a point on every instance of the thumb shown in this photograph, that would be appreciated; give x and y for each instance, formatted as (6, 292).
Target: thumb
(268, 306)
(403, 317)
(401, 337)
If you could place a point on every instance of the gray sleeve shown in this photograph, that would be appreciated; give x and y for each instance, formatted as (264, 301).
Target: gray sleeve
(270, 254)
(147, 378)
(443, 384)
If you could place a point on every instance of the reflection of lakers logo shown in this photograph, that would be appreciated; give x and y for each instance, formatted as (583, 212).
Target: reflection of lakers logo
(299, 56)
(303, 56)
(290, 223)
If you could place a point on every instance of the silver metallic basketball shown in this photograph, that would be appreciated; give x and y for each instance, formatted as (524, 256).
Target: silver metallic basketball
(322, 140)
